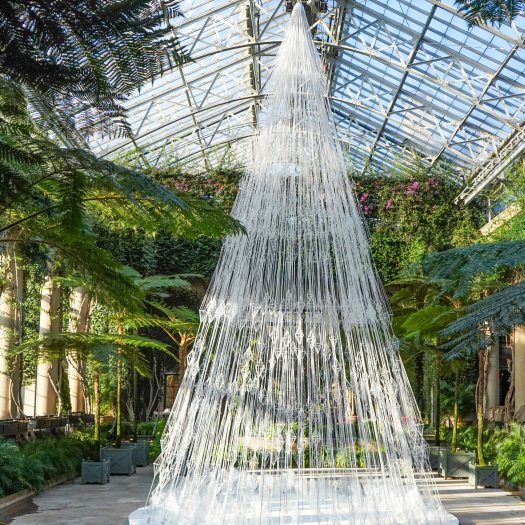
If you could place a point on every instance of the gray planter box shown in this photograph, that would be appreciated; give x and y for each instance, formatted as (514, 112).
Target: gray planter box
(10, 428)
(43, 422)
(483, 476)
(121, 460)
(74, 419)
(95, 472)
(58, 423)
(457, 464)
(140, 452)
(435, 456)
(87, 418)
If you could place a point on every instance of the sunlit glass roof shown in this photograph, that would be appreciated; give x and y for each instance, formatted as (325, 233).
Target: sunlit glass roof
(403, 76)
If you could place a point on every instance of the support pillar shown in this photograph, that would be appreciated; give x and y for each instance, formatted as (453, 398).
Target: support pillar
(492, 399)
(40, 399)
(519, 372)
(6, 342)
(78, 323)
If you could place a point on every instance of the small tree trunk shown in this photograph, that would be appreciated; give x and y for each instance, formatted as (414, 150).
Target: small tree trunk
(17, 409)
(135, 403)
(454, 444)
(183, 354)
(437, 398)
(96, 395)
(118, 431)
(134, 392)
(7, 337)
(419, 376)
(480, 406)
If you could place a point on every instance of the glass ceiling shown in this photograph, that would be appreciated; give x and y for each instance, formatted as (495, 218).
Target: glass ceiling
(403, 76)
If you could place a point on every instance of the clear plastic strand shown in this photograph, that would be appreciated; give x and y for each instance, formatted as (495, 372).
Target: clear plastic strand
(295, 407)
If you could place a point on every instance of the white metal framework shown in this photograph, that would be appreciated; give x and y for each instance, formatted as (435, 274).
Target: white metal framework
(405, 75)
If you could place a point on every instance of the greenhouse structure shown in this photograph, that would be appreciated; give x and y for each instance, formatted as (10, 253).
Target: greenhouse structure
(262, 262)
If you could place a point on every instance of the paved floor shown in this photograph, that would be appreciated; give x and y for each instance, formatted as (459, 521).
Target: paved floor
(110, 504)
(482, 506)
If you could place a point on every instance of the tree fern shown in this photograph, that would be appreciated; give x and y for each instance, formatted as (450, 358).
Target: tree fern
(87, 56)
(490, 11)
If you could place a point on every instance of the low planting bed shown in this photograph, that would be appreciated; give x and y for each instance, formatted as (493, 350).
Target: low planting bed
(33, 464)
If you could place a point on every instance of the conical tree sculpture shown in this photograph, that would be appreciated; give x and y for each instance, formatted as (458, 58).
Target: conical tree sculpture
(295, 407)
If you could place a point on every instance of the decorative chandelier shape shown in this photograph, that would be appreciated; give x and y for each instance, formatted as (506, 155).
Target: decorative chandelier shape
(295, 407)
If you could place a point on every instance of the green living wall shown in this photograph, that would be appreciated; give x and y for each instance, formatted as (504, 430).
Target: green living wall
(410, 213)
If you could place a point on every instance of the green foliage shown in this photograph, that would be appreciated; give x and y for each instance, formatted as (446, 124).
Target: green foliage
(482, 268)
(85, 57)
(147, 429)
(497, 12)
(30, 465)
(510, 454)
(410, 214)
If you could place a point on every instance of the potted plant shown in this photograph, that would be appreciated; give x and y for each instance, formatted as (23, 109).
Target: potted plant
(95, 471)
(140, 452)
(480, 473)
(121, 459)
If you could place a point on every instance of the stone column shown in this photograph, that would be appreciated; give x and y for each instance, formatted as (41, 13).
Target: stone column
(6, 342)
(47, 372)
(78, 321)
(519, 368)
(492, 390)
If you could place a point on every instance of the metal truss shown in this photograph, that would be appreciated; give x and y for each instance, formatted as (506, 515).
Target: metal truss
(404, 76)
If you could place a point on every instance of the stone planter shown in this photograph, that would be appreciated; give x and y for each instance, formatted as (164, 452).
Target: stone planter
(74, 420)
(457, 464)
(43, 422)
(58, 423)
(140, 452)
(95, 472)
(9, 428)
(13, 427)
(87, 418)
(23, 426)
(434, 457)
(483, 476)
(121, 460)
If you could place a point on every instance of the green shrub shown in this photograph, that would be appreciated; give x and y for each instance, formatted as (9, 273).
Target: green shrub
(154, 448)
(31, 465)
(510, 454)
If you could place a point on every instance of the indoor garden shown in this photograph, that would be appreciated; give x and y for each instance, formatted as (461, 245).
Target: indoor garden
(262, 262)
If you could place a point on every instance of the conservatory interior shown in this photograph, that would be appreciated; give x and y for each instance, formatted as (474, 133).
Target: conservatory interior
(261, 262)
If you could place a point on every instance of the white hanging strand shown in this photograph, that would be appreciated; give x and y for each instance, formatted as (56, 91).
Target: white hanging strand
(295, 407)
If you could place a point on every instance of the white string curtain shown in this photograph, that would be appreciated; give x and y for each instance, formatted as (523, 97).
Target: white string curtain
(295, 407)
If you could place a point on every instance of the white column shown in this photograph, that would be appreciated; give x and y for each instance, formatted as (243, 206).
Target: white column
(6, 342)
(16, 375)
(519, 368)
(78, 322)
(46, 373)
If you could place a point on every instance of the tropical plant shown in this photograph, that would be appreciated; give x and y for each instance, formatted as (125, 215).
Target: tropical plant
(419, 315)
(30, 465)
(487, 267)
(80, 60)
(510, 453)
(496, 12)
